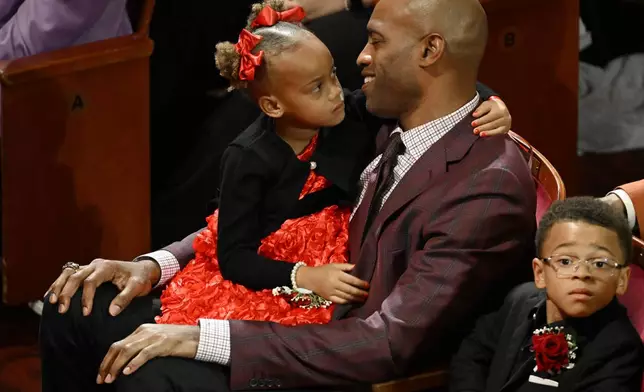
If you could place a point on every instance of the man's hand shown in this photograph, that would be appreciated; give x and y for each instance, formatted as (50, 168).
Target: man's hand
(134, 279)
(147, 342)
(615, 203)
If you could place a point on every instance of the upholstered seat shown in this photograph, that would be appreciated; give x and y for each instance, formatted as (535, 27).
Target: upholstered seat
(632, 299)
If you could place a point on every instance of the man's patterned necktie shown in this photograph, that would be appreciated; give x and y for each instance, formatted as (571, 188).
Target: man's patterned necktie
(385, 176)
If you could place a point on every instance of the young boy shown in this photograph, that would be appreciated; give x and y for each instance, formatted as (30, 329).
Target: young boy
(566, 331)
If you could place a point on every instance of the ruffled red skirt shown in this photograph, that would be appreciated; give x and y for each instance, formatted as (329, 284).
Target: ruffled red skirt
(200, 291)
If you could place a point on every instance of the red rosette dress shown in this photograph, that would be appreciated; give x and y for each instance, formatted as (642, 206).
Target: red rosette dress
(200, 291)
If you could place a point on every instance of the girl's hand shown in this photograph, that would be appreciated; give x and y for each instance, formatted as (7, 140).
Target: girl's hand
(333, 282)
(317, 8)
(492, 118)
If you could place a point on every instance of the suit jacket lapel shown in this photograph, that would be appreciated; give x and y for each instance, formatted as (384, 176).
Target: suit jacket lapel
(525, 325)
(356, 228)
(523, 371)
(450, 148)
(434, 162)
(357, 224)
(359, 220)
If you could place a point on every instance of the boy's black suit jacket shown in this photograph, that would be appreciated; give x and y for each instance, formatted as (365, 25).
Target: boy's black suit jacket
(610, 355)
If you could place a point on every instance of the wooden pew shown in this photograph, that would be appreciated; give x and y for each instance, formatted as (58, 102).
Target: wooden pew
(75, 158)
(532, 60)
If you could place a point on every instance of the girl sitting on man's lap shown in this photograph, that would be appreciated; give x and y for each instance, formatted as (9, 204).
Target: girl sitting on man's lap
(288, 183)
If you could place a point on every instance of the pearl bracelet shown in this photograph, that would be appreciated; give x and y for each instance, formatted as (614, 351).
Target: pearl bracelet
(296, 267)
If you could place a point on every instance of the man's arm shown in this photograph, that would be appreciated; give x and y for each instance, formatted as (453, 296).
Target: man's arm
(42, 25)
(474, 246)
(172, 258)
(628, 200)
(634, 203)
(245, 180)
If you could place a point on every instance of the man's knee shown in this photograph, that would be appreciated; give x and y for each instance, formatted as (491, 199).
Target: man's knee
(102, 298)
(51, 311)
(152, 376)
(175, 374)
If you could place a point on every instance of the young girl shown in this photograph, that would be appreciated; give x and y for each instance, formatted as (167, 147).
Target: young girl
(287, 184)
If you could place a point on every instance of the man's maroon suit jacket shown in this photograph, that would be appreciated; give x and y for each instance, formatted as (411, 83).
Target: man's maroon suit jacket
(455, 234)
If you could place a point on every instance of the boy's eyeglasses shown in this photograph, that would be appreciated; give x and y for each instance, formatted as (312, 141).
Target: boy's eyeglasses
(566, 266)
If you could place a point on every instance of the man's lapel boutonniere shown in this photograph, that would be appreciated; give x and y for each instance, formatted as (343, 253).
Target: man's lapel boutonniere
(554, 350)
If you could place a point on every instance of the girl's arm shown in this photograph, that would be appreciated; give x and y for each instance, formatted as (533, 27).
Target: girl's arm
(356, 109)
(243, 186)
(239, 232)
(492, 116)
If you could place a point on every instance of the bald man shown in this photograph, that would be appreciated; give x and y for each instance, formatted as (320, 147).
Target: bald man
(443, 228)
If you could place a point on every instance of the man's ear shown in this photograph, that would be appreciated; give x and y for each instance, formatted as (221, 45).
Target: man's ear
(539, 273)
(433, 47)
(271, 106)
(622, 282)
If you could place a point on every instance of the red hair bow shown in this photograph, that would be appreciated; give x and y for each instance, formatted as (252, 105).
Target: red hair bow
(269, 17)
(249, 61)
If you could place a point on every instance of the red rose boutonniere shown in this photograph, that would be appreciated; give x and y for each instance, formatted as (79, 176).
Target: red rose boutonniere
(553, 350)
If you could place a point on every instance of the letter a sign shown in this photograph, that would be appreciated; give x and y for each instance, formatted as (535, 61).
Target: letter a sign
(78, 103)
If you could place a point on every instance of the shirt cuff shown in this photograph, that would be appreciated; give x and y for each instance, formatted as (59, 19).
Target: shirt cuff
(628, 204)
(214, 341)
(168, 263)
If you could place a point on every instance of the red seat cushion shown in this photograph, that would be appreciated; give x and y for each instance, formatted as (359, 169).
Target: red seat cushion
(633, 302)
(632, 299)
(543, 201)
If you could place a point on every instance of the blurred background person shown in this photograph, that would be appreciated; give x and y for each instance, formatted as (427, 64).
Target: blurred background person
(29, 27)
